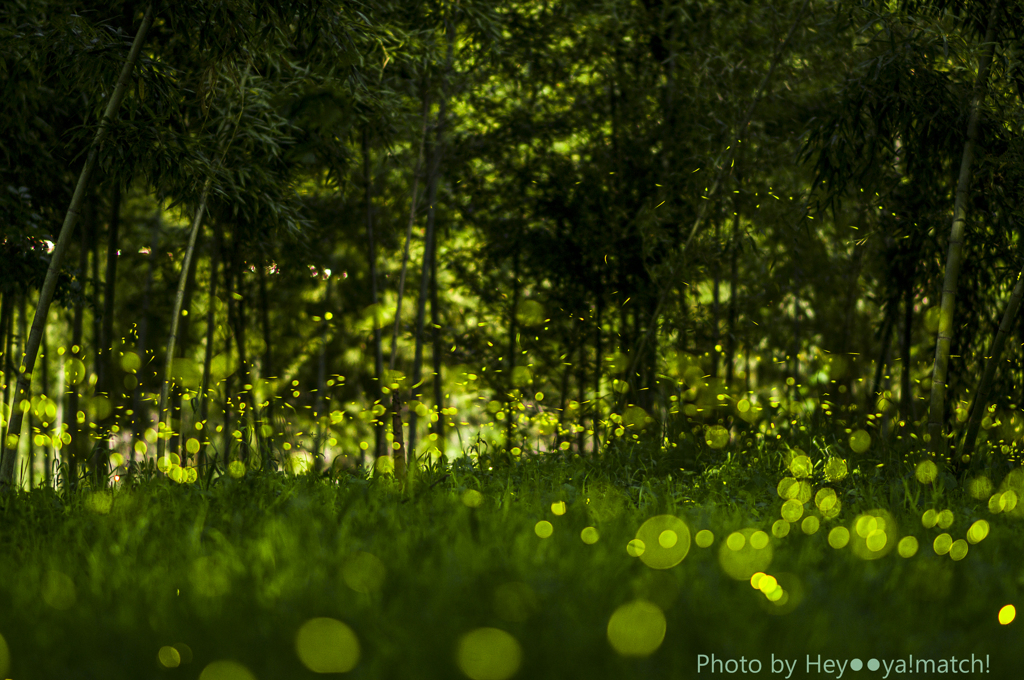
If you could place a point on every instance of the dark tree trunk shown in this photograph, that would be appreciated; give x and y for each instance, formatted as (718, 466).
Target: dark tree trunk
(378, 354)
(211, 318)
(140, 412)
(106, 373)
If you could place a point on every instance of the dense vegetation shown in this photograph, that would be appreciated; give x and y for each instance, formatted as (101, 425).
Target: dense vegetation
(742, 264)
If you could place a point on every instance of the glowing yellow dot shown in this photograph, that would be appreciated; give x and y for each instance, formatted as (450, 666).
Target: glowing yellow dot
(839, 537)
(1007, 614)
(767, 584)
(169, 657)
(942, 544)
(327, 646)
(860, 441)
(958, 550)
(810, 525)
(792, 510)
(635, 548)
(558, 508)
(543, 528)
(226, 670)
(736, 541)
(780, 528)
(589, 535)
(667, 538)
(704, 538)
(489, 654)
(907, 546)
(978, 531)
(637, 628)
(758, 540)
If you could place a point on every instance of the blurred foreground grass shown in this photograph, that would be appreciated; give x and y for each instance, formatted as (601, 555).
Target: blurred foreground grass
(547, 567)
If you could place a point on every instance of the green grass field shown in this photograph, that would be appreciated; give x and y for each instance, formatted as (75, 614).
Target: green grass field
(545, 567)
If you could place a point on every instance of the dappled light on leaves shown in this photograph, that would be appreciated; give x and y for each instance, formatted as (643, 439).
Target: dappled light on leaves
(488, 654)
(666, 540)
(326, 645)
(637, 628)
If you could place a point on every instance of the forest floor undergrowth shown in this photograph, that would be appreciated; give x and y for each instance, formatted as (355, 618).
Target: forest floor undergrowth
(767, 562)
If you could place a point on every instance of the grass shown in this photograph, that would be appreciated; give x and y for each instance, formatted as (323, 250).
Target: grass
(269, 575)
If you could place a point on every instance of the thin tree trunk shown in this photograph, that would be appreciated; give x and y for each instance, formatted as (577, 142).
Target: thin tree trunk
(438, 350)
(730, 340)
(24, 388)
(175, 316)
(267, 368)
(211, 318)
(22, 333)
(177, 413)
(140, 411)
(937, 407)
(906, 391)
(726, 163)
(321, 386)
(229, 295)
(513, 336)
(378, 355)
(883, 354)
(44, 386)
(8, 363)
(980, 404)
(75, 448)
(595, 409)
(397, 426)
(716, 307)
(408, 230)
(106, 366)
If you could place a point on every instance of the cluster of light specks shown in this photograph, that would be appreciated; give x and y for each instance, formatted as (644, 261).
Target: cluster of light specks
(873, 534)
(744, 553)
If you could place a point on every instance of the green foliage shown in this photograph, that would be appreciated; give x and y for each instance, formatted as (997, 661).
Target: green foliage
(349, 557)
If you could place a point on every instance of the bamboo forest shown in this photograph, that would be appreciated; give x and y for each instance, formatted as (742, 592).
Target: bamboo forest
(447, 339)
